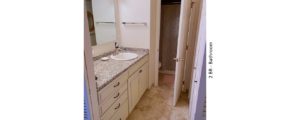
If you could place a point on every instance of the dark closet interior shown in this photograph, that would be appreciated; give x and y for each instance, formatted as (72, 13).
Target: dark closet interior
(170, 13)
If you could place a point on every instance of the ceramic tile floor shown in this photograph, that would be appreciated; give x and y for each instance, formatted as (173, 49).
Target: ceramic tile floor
(156, 103)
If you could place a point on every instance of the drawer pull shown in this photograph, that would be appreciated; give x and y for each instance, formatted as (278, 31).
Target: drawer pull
(118, 106)
(140, 71)
(117, 84)
(117, 95)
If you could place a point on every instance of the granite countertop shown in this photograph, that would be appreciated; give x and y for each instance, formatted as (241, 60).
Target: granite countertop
(107, 71)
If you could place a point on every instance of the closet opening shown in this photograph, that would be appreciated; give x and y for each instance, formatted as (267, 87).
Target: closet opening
(170, 13)
(169, 26)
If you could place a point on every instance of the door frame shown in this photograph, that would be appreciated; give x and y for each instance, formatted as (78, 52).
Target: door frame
(197, 93)
(155, 18)
(191, 43)
(183, 33)
(89, 71)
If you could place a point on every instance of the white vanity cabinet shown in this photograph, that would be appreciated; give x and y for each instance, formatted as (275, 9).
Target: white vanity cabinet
(137, 85)
(138, 82)
(119, 97)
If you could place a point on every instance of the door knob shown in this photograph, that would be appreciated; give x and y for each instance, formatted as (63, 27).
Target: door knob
(178, 59)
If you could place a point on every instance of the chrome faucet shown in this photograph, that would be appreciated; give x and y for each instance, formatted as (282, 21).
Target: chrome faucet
(117, 49)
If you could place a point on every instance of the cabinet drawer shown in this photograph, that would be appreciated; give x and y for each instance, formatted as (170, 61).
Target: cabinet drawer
(123, 101)
(105, 105)
(122, 114)
(113, 87)
(135, 67)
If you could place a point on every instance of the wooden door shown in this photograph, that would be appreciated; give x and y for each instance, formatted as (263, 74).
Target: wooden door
(181, 48)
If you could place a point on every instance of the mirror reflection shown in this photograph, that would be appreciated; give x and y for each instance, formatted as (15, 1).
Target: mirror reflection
(101, 17)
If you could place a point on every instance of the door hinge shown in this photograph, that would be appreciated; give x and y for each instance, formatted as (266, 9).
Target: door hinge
(192, 3)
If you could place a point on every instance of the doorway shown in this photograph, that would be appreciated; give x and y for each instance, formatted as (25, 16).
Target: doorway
(172, 42)
(176, 45)
(168, 45)
(169, 24)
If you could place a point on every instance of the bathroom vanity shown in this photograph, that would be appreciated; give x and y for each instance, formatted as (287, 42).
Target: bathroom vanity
(121, 84)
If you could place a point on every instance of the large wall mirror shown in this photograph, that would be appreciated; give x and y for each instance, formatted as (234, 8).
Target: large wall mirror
(102, 21)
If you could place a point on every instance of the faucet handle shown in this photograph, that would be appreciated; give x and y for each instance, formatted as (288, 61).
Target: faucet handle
(116, 45)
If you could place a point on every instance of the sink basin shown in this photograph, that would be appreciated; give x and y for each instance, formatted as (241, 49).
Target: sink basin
(124, 56)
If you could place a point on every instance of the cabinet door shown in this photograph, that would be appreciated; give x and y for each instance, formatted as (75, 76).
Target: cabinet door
(133, 87)
(143, 80)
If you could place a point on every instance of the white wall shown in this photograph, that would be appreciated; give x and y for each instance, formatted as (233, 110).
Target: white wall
(191, 42)
(154, 41)
(137, 36)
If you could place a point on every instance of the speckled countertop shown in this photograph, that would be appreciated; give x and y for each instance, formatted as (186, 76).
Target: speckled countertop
(106, 71)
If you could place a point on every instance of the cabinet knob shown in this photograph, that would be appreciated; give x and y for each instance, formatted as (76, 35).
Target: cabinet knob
(140, 71)
(118, 106)
(96, 78)
(117, 84)
(117, 95)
